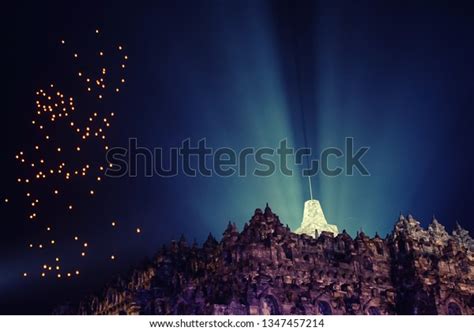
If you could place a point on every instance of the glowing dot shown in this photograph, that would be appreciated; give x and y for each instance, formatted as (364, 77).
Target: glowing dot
(120, 48)
(80, 74)
(78, 149)
(56, 191)
(59, 149)
(45, 266)
(59, 275)
(91, 192)
(57, 259)
(97, 31)
(75, 54)
(101, 53)
(25, 274)
(99, 179)
(31, 245)
(70, 207)
(77, 272)
(63, 42)
(83, 254)
(113, 223)
(76, 238)
(6, 200)
(57, 267)
(138, 230)
(36, 147)
(85, 245)
(43, 274)
(112, 257)
(69, 274)
(52, 242)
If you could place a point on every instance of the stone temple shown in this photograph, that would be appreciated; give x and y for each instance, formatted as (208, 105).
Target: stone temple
(268, 269)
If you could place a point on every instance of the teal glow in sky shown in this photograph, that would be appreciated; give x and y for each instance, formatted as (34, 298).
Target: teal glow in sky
(395, 77)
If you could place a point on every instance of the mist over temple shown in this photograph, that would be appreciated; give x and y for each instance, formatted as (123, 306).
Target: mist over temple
(268, 269)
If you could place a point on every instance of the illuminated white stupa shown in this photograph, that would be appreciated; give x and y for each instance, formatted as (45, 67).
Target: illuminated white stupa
(314, 220)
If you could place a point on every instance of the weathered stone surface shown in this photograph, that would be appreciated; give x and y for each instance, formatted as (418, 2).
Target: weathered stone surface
(267, 269)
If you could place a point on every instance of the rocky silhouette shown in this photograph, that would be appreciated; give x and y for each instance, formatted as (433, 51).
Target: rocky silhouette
(268, 269)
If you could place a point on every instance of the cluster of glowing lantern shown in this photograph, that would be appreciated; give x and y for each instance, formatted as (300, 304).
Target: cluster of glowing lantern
(98, 83)
(51, 159)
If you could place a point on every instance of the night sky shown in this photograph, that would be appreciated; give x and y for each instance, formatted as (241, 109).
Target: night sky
(396, 77)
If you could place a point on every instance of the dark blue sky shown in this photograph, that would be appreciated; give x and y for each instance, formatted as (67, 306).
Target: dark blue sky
(395, 76)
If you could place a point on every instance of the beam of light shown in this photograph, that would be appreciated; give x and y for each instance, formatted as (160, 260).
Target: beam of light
(240, 101)
(381, 105)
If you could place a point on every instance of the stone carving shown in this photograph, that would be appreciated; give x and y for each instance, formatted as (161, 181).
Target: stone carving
(267, 269)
